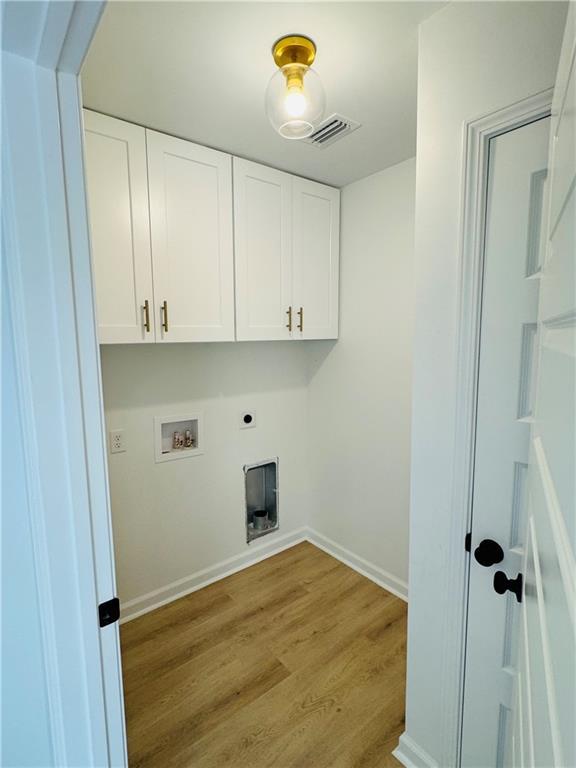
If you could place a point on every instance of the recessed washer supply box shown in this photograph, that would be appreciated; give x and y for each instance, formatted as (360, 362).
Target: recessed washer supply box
(164, 429)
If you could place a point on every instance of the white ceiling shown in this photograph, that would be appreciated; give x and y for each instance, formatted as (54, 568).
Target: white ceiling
(199, 70)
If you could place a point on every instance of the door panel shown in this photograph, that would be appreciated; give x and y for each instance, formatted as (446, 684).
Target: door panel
(191, 225)
(262, 235)
(546, 689)
(120, 233)
(564, 150)
(539, 697)
(517, 167)
(316, 230)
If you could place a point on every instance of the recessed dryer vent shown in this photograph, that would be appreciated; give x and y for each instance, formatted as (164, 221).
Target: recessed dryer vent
(261, 492)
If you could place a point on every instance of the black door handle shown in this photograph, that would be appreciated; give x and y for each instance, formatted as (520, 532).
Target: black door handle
(488, 553)
(503, 584)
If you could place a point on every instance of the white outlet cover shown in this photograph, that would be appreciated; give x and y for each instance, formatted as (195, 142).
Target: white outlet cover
(247, 419)
(117, 441)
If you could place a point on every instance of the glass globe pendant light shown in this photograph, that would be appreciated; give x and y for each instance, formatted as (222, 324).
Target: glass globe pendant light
(294, 97)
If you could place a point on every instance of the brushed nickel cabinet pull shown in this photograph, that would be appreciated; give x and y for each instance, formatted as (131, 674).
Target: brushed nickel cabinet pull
(165, 316)
(300, 325)
(146, 309)
(289, 323)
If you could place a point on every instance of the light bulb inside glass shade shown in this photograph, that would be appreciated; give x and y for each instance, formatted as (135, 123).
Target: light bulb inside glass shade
(295, 101)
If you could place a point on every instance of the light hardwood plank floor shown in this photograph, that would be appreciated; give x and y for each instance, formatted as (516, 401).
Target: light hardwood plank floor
(296, 662)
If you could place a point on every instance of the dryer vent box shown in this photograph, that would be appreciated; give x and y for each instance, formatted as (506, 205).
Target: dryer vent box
(261, 495)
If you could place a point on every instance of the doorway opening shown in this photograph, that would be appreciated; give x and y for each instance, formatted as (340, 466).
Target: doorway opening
(262, 569)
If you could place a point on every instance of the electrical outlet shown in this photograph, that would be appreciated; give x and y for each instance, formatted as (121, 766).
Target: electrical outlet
(117, 441)
(247, 419)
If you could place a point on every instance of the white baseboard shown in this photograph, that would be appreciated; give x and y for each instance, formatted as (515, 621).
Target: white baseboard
(373, 572)
(411, 755)
(131, 609)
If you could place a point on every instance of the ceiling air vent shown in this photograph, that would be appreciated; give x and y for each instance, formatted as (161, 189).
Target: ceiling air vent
(330, 130)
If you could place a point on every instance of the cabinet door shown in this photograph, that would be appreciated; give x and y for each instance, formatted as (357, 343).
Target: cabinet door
(120, 231)
(192, 252)
(262, 236)
(316, 232)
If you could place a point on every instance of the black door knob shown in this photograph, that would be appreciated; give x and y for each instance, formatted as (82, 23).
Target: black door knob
(488, 553)
(503, 584)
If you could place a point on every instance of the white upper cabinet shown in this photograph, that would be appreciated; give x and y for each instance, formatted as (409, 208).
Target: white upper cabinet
(192, 250)
(120, 235)
(185, 251)
(315, 265)
(262, 234)
(287, 254)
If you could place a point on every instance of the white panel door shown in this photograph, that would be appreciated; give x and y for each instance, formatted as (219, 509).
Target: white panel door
(192, 250)
(262, 237)
(120, 229)
(544, 732)
(517, 169)
(315, 259)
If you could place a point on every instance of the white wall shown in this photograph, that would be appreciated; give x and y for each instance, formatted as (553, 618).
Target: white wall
(474, 58)
(176, 518)
(360, 388)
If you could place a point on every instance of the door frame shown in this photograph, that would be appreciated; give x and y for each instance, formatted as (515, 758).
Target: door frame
(477, 134)
(46, 256)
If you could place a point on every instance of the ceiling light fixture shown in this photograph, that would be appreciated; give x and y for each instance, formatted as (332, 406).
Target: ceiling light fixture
(294, 96)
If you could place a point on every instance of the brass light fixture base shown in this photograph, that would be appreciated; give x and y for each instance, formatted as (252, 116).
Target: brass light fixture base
(294, 49)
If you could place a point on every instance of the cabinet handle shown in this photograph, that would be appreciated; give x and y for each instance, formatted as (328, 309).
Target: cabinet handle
(165, 316)
(300, 325)
(289, 323)
(146, 309)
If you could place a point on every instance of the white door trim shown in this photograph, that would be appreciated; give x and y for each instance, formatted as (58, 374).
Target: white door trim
(47, 262)
(476, 136)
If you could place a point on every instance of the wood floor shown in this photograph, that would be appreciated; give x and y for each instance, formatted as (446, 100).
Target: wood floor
(295, 662)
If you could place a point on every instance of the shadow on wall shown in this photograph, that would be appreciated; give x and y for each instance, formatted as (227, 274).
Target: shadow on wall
(318, 352)
(146, 375)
